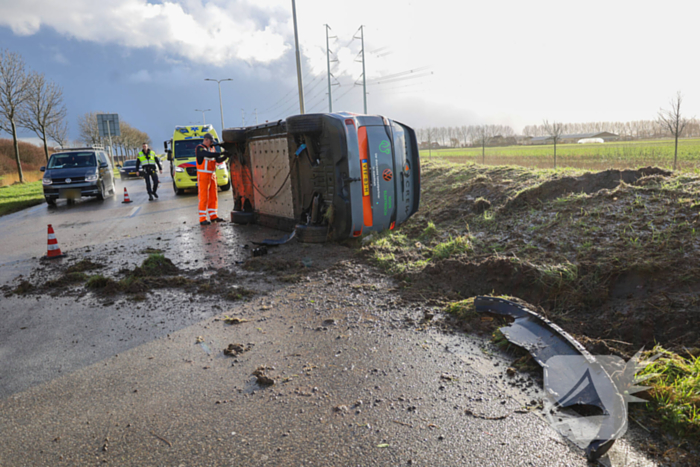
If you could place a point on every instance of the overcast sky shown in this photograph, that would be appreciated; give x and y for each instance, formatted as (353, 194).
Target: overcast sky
(508, 62)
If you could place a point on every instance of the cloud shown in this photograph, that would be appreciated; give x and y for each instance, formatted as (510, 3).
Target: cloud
(141, 76)
(213, 32)
(58, 57)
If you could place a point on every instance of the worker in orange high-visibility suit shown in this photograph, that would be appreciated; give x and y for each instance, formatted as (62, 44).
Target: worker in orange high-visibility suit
(207, 158)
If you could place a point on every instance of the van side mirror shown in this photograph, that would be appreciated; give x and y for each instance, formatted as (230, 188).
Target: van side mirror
(103, 165)
(43, 168)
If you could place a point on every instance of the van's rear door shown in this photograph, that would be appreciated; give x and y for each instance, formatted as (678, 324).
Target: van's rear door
(379, 189)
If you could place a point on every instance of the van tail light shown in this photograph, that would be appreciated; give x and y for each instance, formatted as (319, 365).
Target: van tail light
(364, 166)
(350, 121)
(393, 224)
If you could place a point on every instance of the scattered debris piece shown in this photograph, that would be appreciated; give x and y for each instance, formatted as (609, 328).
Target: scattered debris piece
(341, 408)
(448, 377)
(234, 350)
(234, 320)
(260, 251)
(279, 241)
(262, 377)
(485, 417)
(199, 340)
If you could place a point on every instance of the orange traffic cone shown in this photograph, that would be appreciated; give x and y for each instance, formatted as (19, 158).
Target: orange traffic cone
(53, 250)
(126, 196)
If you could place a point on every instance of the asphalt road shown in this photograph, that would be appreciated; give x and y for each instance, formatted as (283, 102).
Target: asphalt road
(93, 222)
(359, 380)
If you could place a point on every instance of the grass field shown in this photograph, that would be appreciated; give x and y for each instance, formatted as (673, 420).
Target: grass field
(16, 197)
(618, 155)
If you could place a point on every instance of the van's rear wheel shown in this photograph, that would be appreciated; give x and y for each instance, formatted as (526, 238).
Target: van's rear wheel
(312, 233)
(226, 187)
(233, 135)
(308, 124)
(240, 217)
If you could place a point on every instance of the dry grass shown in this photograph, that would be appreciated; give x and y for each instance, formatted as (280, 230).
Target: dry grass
(12, 178)
(32, 158)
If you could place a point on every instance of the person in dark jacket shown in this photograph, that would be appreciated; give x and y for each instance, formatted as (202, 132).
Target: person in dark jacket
(207, 159)
(149, 161)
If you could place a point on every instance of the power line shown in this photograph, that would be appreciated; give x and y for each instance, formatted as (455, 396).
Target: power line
(401, 73)
(400, 79)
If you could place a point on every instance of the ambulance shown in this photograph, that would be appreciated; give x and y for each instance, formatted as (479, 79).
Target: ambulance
(183, 163)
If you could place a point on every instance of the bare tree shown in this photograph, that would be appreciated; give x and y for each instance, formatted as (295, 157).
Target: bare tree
(87, 128)
(554, 130)
(14, 92)
(58, 132)
(430, 133)
(673, 122)
(482, 136)
(43, 109)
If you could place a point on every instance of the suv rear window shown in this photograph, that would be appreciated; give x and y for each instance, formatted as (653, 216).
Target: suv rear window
(72, 160)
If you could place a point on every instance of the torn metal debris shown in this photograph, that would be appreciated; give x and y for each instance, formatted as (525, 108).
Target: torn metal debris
(573, 377)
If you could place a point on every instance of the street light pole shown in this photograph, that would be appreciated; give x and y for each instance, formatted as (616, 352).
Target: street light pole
(296, 43)
(221, 105)
(204, 121)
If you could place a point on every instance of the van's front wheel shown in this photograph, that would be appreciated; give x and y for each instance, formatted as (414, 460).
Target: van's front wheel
(312, 233)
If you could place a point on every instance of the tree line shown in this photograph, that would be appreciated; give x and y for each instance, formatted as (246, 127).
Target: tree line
(31, 101)
(638, 129)
(503, 135)
(127, 144)
(471, 135)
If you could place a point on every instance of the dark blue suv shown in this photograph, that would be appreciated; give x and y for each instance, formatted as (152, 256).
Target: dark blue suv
(74, 173)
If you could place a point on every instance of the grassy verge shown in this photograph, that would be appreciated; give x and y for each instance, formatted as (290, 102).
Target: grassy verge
(19, 196)
(675, 391)
(611, 261)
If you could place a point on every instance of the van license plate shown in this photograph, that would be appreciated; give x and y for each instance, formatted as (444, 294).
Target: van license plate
(70, 193)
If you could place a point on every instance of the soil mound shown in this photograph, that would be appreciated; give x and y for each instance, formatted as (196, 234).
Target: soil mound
(587, 183)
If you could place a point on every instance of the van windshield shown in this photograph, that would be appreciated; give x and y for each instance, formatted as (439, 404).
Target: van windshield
(185, 149)
(72, 160)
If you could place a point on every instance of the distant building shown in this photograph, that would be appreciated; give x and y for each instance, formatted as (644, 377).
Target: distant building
(563, 139)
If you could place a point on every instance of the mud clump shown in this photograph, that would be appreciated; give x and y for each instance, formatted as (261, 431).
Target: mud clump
(23, 288)
(82, 266)
(156, 265)
(262, 377)
(234, 350)
(98, 282)
(68, 279)
(481, 204)
(587, 183)
(239, 293)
